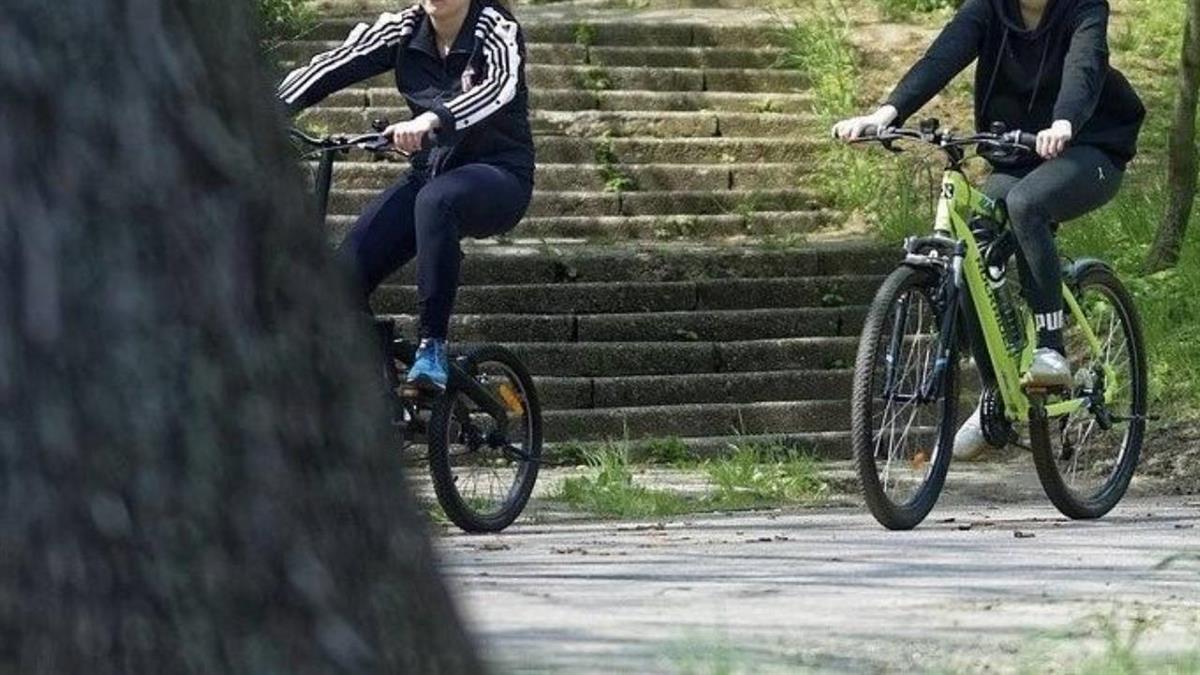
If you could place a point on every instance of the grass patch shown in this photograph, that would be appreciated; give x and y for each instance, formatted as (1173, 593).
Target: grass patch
(765, 474)
(611, 490)
(754, 476)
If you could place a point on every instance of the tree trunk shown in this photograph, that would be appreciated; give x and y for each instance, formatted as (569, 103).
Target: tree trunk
(1181, 151)
(193, 473)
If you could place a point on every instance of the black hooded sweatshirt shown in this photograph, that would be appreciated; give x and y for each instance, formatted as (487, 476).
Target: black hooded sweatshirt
(1028, 79)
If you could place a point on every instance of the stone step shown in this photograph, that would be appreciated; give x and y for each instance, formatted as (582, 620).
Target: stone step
(603, 32)
(708, 419)
(805, 267)
(611, 359)
(300, 51)
(681, 326)
(566, 393)
(596, 123)
(620, 78)
(601, 177)
(632, 100)
(682, 227)
(824, 445)
(568, 150)
(552, 204)
(628, 297)
(775, 269)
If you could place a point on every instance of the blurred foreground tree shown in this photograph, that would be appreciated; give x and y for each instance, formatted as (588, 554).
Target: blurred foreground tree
(192, 476)
(1181, 150)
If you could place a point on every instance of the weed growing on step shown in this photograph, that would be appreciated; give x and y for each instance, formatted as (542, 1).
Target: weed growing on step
(283, 20)
(595, 79)
(611, 490)
(766, 105)
(615, 178)
(585, 34)
(756, 475)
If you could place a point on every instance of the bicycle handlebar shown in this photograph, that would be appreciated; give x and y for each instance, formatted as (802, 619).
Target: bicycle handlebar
(372, 142)
(1010, 140)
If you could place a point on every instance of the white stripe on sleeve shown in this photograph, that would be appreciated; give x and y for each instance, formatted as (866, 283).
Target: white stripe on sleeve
(503, 72)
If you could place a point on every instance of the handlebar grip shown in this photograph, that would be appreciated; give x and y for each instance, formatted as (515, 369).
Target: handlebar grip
(1028, 140)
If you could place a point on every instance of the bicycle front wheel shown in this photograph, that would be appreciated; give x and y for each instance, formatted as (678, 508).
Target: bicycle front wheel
(902, 440)
(1086, 460)
(483, 474)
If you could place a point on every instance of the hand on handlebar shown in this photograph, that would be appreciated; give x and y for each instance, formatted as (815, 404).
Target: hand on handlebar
(411, 136)
(868, 125)
(1053, 141)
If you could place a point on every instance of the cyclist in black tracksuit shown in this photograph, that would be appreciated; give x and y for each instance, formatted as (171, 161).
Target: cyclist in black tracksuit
(460, 65)
(1042, 66)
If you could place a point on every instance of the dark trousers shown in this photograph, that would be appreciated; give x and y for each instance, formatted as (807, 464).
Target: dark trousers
(1080, 180)
(426, 219)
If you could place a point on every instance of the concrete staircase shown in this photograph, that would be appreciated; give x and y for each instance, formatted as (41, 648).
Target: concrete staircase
(698, 342)
(663, 283)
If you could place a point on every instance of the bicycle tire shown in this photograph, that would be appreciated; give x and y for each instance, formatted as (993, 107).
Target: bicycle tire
(889, 513)
(1103, 500)
(441, 426)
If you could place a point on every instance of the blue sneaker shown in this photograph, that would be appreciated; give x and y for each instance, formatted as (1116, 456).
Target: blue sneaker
(431, 367)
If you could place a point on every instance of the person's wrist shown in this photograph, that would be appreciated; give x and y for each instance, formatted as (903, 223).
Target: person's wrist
(429, 120)
(1063, 126)
(885, 115)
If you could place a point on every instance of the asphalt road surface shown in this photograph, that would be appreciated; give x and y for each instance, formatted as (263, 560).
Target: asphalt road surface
(1007, 587)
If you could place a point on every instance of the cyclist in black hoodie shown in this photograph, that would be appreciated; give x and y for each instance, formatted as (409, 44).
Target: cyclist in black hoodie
(1042, 66)
(460, 66)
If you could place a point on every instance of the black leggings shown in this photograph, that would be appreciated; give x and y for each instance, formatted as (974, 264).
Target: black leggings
(426, 220)
(1080, 180)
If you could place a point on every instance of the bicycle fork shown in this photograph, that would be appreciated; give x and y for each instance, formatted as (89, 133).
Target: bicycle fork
(950, 287)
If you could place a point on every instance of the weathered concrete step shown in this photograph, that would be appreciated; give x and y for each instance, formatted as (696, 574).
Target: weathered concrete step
(565, 393)
(626, 297)
(610, 78)
(682, 227)
(300, 51)
(633, 100)
(712, 419)
(844, 264)
(684, 326)
(596, 123)
(827, 445)
(601, 177)
(549, 204)
(669, 124)
(824, 445)
(612, 359)
(603, 31)
(569, 150)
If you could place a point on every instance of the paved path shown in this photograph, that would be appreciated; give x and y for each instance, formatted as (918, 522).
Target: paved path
(822, 589)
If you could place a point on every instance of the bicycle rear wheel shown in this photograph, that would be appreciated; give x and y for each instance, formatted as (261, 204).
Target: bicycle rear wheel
(902, 442)
(1086, 460)
(483, 474)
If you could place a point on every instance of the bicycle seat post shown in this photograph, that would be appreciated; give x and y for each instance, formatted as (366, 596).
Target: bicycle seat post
(324, 181)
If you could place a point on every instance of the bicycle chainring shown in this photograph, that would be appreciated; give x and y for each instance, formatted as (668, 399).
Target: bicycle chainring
(997, 430)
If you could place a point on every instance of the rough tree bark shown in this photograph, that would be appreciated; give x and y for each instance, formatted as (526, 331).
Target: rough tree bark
(1181, 151)
(192, 473)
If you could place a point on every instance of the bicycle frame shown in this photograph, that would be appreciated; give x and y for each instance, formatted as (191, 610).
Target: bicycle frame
(958, 204)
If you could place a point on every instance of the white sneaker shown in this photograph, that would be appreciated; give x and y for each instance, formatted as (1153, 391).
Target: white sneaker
(969, 442)
(1049, 370)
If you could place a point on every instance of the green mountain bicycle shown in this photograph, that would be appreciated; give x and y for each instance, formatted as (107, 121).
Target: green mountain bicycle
(953, 295)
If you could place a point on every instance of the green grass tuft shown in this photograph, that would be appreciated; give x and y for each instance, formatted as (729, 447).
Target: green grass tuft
(765, 474)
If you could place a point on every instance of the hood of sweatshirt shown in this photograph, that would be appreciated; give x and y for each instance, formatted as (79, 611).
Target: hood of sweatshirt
(1009, 13)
